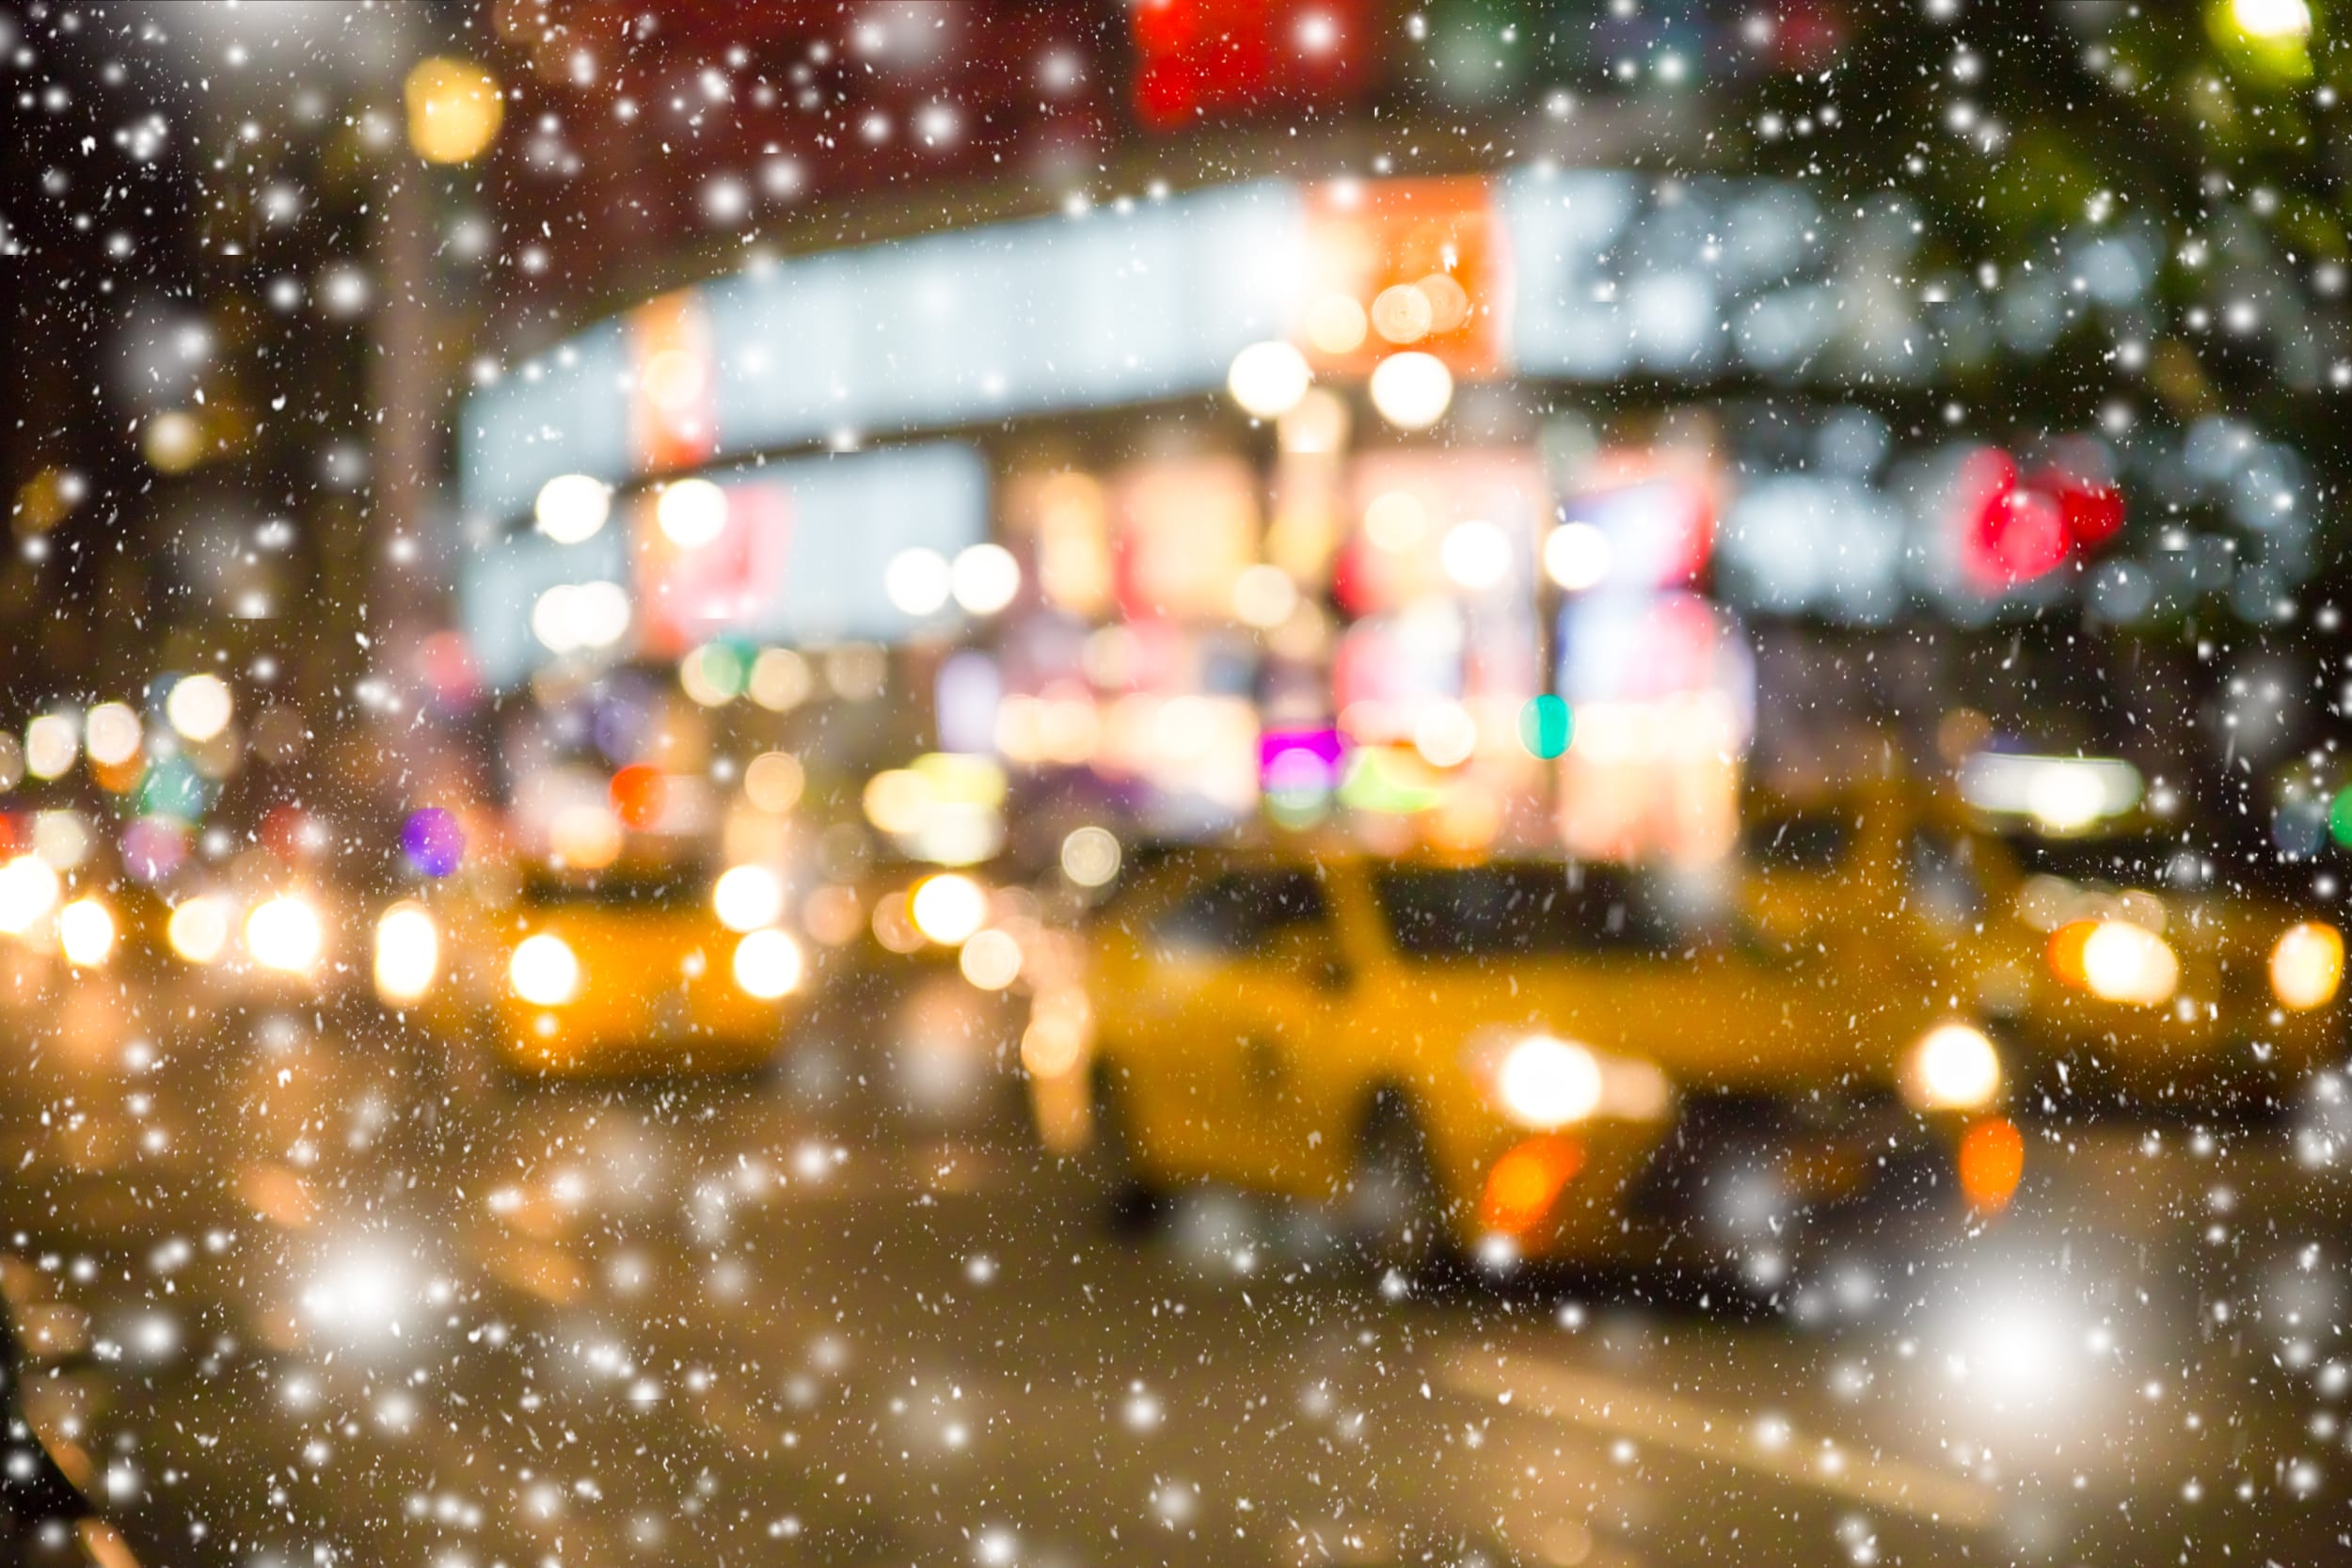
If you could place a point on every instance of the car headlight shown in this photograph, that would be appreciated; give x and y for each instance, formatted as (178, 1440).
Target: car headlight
(85, 932)
(768, 965)
(1953, 1068)
(2307, 966)
(284, 933)
(542, 971)
(1543, 1082)
(407, 953)
(2125, 962)
(747, 897)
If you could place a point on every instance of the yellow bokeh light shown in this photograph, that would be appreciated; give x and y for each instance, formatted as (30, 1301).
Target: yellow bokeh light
(947, 909)
(2307, 966)
(199, 930)
(454, 110)
(85, 932)
(407, 953)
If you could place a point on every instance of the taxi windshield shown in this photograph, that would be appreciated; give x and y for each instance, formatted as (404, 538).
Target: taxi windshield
(2128, 859)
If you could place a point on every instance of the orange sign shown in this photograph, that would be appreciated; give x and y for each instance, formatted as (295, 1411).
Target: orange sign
(672, 397)
(1396, 264)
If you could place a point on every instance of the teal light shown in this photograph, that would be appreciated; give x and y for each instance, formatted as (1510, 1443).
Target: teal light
(1546, 725)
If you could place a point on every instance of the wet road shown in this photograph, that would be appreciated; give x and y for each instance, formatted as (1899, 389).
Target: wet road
(310, 1287)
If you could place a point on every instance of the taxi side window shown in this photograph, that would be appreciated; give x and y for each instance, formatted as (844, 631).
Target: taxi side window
(1526, 910)
(1811, 841)
(1943, 876)
(1267, 914)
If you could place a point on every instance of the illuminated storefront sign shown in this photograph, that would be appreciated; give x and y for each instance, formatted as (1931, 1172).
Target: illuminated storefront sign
(1583, 275)
(792, 552)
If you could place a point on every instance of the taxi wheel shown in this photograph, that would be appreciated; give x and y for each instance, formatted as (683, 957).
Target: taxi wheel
(1395, 1208)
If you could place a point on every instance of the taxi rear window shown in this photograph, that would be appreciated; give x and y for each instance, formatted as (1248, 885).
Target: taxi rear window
(1505, 909)
(2149, 860)
(1240, 913)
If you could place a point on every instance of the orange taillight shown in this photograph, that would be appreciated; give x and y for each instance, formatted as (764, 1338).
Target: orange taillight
(1522, 1186)
(1992, 1163)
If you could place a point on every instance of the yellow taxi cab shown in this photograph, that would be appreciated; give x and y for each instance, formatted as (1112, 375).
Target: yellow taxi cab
(2123, 965)
(1517, 1057)
(630, 970)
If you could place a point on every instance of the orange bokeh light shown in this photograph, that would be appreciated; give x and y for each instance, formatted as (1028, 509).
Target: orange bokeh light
(2066, 950)
(1992, 1163)
(1524, 1184)
(638, 794)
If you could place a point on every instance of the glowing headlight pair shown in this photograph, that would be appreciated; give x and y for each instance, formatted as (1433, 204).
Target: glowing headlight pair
(1953, 1068)
(546, 973)
(1543, 1082)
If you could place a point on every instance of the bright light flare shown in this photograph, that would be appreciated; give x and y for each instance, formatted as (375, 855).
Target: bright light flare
(285, 934)
(407, 953)
(1413, 390)
(1953, 1068)
(199, 707)
(2125, 962)
(2272, 20)
(2307, 966)
(947, 909)
(572, 507)
(1544, 1082)
(768, 965)
(1268, 379)
(28, 891)
(359, 1299)
(747, 897)
(85, 932)
(542, 971)
(691, 511)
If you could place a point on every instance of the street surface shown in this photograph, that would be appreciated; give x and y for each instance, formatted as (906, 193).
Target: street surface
(310, 1288)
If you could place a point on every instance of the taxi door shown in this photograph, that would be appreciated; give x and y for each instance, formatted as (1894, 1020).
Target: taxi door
(1239, 977)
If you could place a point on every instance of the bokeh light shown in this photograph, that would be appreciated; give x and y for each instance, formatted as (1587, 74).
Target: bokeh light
(407, 953)
(773, 781)
(199, 929)
(768, 965)
(544, 970)
(571, 508)
(746, 897)
(285, 934)
(199, 707)
(947, 908)
(1089, 856)
(1268, 379)
(639, 794)
(432, 841)
(454, 110)
(85, 932)
(1413, 390)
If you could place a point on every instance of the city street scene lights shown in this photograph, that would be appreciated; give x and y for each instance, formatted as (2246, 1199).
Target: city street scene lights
(1476, 782)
